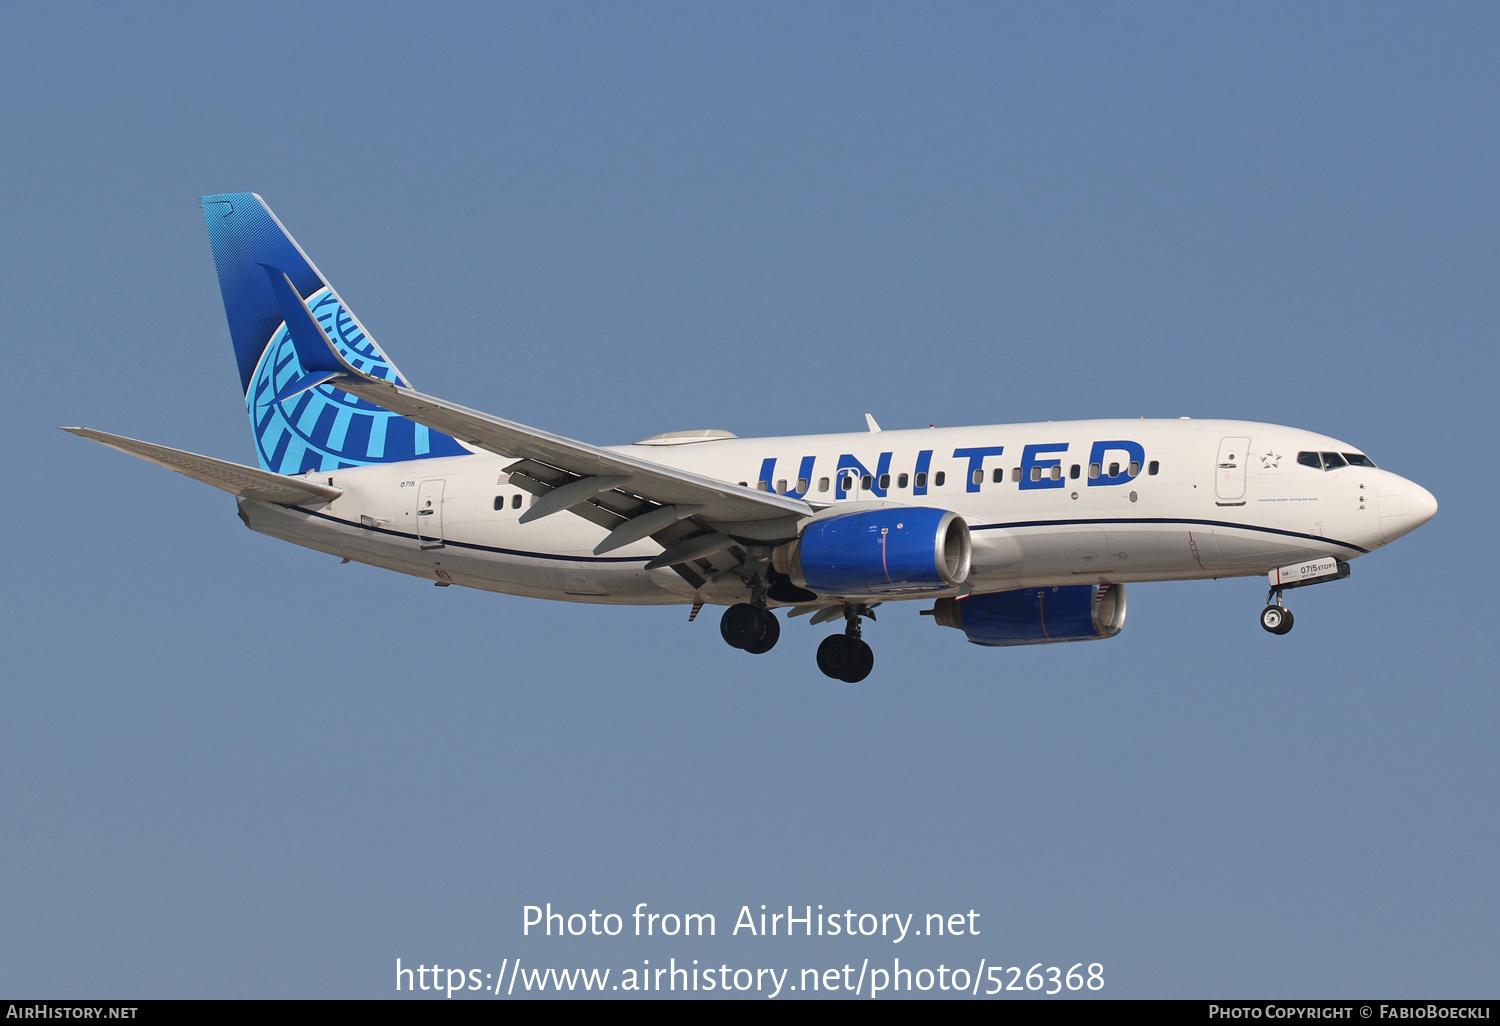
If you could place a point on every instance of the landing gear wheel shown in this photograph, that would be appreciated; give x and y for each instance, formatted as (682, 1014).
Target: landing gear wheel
(743, 625)
(836, 655)
(861, 664)
(1276, 619)
(844, 658)
(773, 632)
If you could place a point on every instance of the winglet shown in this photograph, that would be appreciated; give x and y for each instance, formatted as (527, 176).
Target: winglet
(320, 358)
(314, 348)
(298, 386)
(870, 420)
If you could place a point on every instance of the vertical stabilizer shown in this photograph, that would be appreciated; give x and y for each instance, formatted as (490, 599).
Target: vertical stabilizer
(319, 427)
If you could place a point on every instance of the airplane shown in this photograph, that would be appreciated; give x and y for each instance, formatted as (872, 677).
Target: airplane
(1017, 534)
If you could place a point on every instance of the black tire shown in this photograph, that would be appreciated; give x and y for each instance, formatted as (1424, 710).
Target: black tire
(861, 665)
(835, 656)
(773, 633)
(1276, 619)
(742, 625)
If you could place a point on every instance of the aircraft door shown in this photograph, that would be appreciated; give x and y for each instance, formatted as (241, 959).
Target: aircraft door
(430, 514)
(1229, 471)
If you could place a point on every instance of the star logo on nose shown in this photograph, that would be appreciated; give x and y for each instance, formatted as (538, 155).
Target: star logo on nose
(1270, 460)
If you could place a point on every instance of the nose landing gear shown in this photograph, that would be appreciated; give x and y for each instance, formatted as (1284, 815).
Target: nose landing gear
(846, 656)
(1276, 617)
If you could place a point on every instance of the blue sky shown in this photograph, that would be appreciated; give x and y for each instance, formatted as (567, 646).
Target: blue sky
(237, 768)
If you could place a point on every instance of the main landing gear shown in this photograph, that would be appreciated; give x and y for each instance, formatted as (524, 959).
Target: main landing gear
(1276, 617)
(752, 628)
(846, 656)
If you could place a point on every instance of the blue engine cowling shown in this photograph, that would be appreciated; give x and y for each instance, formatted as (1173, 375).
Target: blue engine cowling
(894, 550)
(1037, 616)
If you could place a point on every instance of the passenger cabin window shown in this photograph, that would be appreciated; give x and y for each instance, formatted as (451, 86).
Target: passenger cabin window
(939, 478)
(1015, 473)
(846, 483)
(885, 481)
(1310, 459)
(901, 481)
(515, 501)
(1333, 461)
(1153, 467)
(998, 475)
(499, 502)
(977, 477)
(1093, 471)
(822, 484)
(865, 482)
(1055, 473)
(802, 485)
(1135, 468)
(1357, 460)
(764, 486)
(1073, 471)
(922, 479)
(781, 486)
(1114, 470)
(1036, 473)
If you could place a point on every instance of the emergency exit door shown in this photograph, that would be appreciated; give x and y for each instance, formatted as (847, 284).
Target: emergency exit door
(1229, 471)
(430, 514)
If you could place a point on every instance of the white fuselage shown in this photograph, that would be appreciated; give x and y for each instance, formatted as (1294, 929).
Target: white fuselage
(1227, 498)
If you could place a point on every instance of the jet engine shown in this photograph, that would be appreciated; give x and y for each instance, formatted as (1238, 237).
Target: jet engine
(1036, 616)
(893, 550)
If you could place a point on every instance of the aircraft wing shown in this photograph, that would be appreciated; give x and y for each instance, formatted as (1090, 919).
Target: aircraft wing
(538, 450)
(631, 497)
(248, 482)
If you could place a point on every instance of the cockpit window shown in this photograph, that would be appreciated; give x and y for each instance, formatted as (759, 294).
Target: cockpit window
(1333, 460)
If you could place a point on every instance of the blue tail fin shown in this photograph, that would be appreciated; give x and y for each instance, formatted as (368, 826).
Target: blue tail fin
(321, 427)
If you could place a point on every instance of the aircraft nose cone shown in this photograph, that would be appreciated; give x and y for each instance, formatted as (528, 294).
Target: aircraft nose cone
(1404, 506)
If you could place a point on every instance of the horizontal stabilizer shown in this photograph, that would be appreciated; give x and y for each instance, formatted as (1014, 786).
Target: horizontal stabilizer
(247, 482)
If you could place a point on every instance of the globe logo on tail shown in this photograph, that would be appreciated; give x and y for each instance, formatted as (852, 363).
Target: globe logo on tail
(325, 428)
